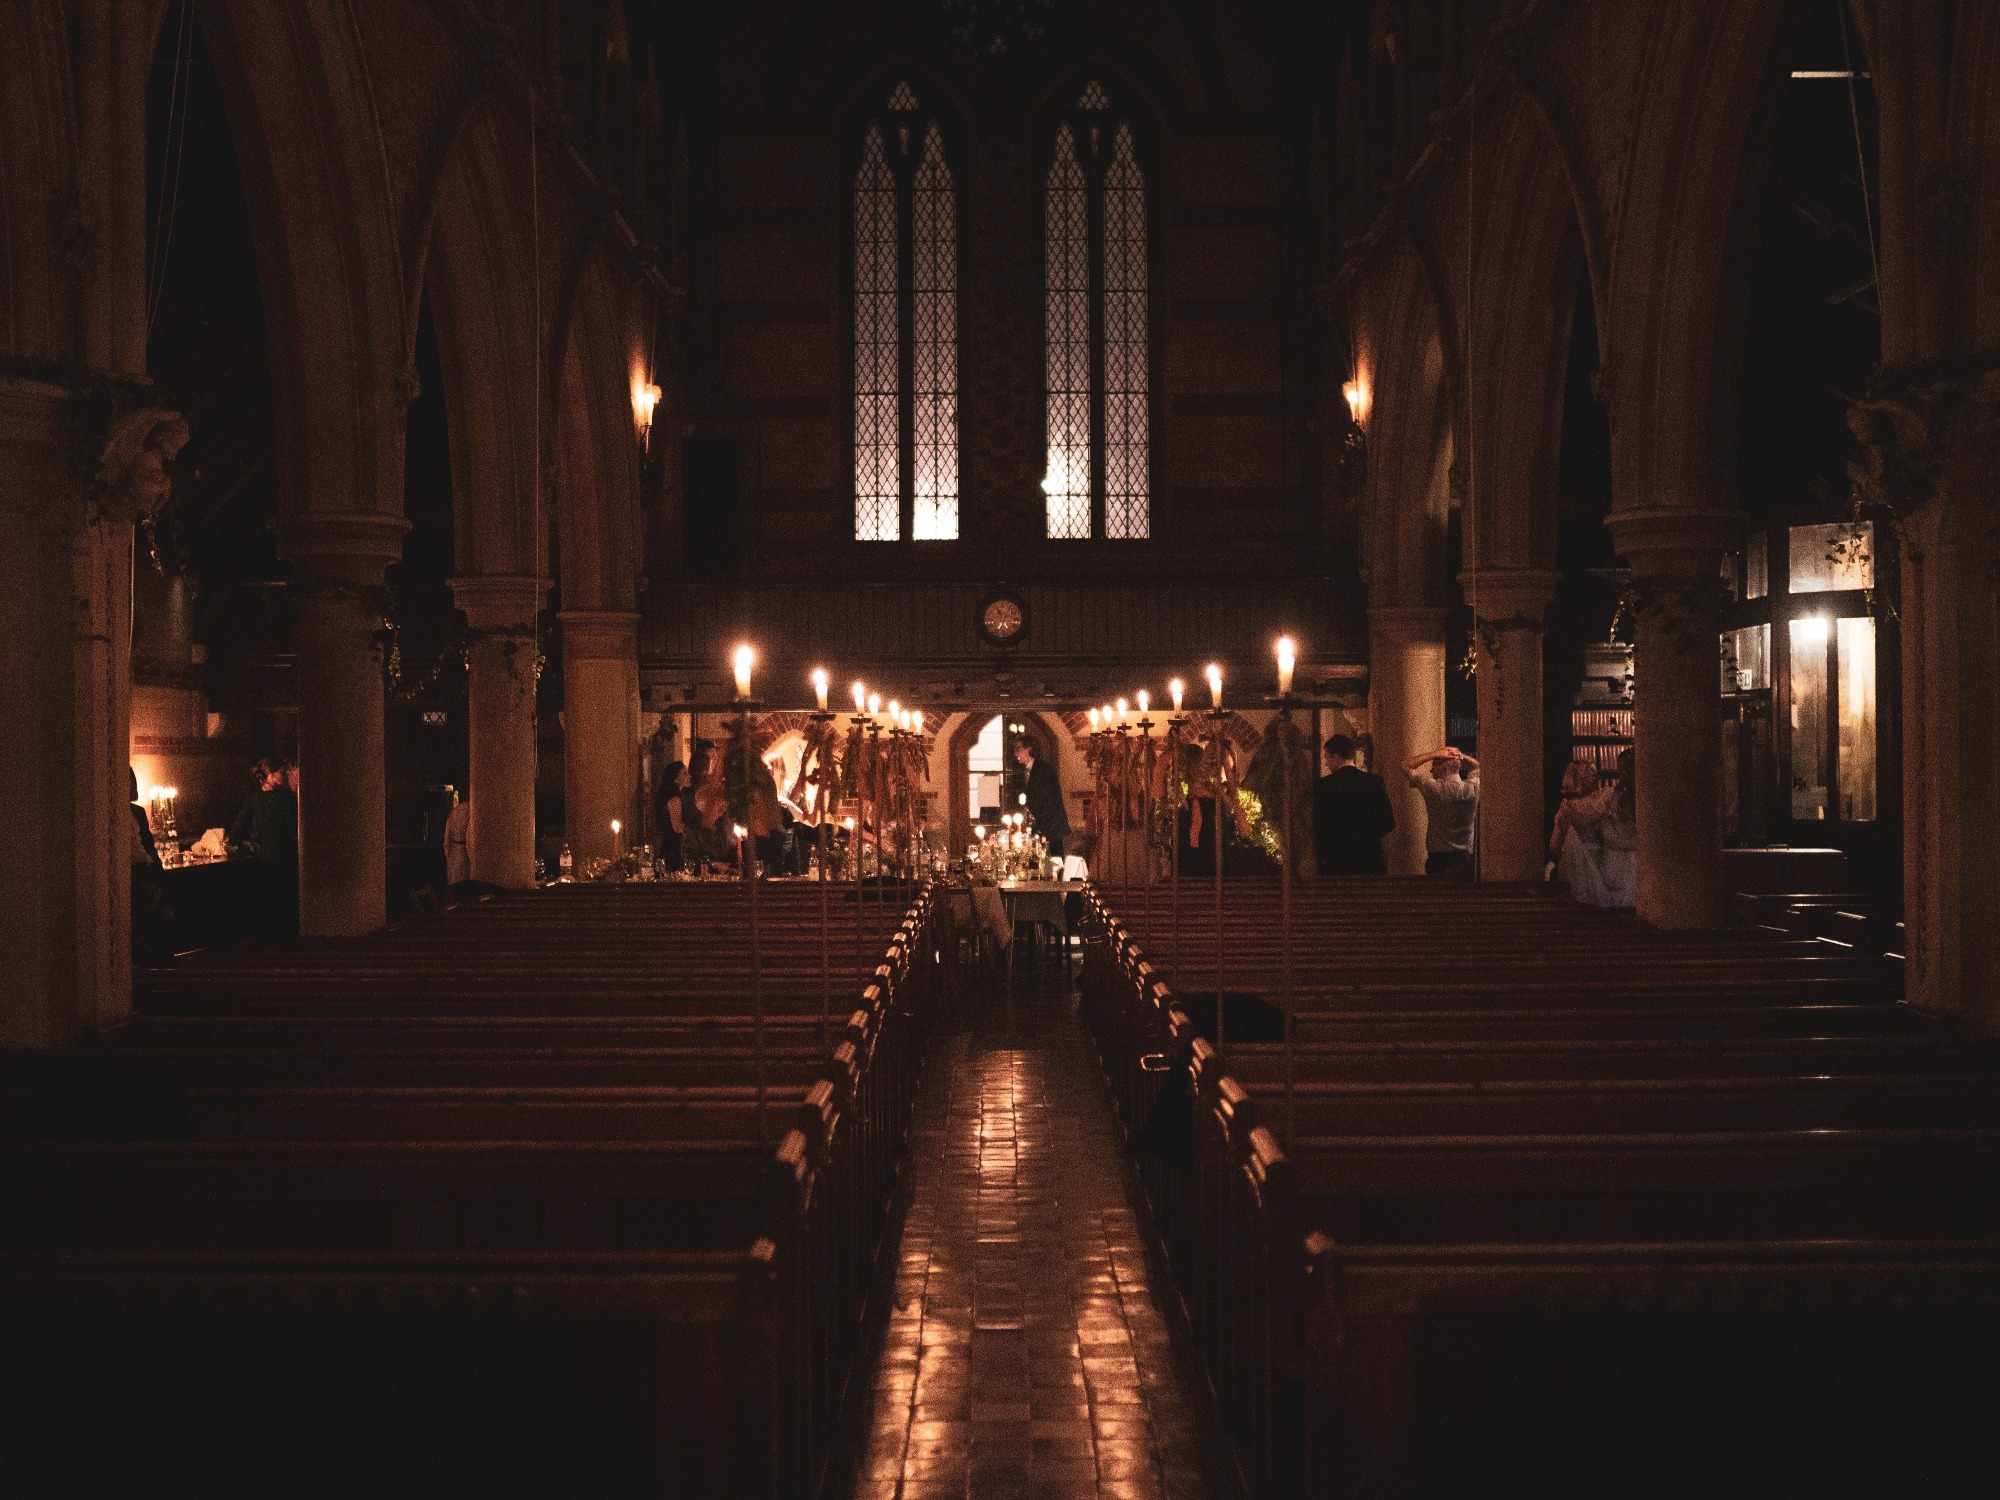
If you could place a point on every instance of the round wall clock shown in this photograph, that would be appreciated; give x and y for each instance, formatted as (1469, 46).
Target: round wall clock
(1002, 619)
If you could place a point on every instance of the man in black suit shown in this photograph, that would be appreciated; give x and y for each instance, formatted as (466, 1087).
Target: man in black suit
(1045, 797)
(1351, 815)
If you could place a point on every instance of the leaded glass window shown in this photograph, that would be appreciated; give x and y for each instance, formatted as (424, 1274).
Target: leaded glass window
(905, 329)
(1099, 477)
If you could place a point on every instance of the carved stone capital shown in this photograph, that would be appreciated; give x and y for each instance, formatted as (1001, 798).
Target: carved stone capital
(349, 549)
(599, 634)
(1904, 426)
(500, 603)
(1510, 598)
(1410, 622)
(1675, 541)
(133, 479)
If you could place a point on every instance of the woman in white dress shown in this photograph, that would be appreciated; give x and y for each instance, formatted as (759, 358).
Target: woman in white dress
(1576, 846)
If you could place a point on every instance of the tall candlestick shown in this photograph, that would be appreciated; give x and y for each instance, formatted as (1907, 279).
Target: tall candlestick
(1286, 661)
(1215, 685)
(746, 658)
(819, 687)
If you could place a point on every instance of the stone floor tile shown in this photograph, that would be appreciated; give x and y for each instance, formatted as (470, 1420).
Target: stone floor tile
(1024, 1355)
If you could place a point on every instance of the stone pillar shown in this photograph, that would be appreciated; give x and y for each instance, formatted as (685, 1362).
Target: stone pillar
(1676, 557)
(339, 560)
(501, 668)
(600, 650)
(1931, 455)
(1509, 604)
(65, 608)
(1406, 708)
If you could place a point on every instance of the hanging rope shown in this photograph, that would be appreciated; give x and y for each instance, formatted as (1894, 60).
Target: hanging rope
(171, 156)
(1860, 156)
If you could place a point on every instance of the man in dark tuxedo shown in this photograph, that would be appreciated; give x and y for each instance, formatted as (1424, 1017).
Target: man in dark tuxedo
(1351, 815)
(1045, 797)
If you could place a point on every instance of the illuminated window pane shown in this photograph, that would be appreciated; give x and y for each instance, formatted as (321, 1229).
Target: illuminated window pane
(934, 288)
(1067, 220)
(1827, 558)
(1855, 647)
(1809, 743)
(1125, 363)
(877, 393)
(1746, 657)
(1757, 567)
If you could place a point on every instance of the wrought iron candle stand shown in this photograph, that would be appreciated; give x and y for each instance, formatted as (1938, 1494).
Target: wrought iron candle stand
(823, 722)
(1288, 826)
(1218, 719)
(743, 731)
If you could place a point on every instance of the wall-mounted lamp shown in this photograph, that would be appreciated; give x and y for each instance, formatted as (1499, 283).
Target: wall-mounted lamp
(645, 400)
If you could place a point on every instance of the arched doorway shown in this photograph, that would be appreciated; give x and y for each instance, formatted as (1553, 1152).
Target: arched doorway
(981, 746)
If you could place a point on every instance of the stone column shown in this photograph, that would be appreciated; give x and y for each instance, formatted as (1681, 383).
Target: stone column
(1509, 604)
(1676, 557)
(600, 651)
(501, 668)
(65, 607)
(1931, 456)
(339, 560)
(1406, 708)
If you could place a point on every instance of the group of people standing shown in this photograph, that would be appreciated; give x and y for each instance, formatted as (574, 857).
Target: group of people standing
(1592, 849)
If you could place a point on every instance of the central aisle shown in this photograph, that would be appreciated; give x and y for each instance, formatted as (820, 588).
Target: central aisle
(1024, 1352)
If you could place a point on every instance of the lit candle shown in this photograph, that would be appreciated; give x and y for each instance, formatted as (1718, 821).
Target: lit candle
(1123, 709)
(1286, 661)
(745, 659)
(1094, 726)
(1177, 690)
(917, 721)
(979, 832)
(860, 697)
(874, 704)
(1145, 701)
(617, 844)
(819, 687)
(740, 831)
(1215, 684)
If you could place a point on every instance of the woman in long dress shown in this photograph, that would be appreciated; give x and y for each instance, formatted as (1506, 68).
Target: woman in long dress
(1577, 843)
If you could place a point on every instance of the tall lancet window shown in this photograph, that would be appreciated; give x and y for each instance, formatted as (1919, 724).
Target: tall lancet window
(1099, 479)
(905, 329)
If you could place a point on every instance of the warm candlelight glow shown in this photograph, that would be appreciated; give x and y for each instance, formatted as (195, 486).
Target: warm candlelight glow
(1093, 721)
(746, 658)
(1356, 393)
(740, 831)
(1124, 708)
(819, 687)
(874, 704)
(1177, 690)
(1214, 675)
(1287, 659)
(617, 843)
(979, 832)
(917, 721)
(848, 824)
(895, 709)
(1145, 701)
(860, 696)
(645, 401)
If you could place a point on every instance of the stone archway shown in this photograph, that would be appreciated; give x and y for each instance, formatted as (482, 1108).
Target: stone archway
(1043, 729)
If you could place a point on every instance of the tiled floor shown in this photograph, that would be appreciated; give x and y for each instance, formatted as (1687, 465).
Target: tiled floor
(1024, 1354)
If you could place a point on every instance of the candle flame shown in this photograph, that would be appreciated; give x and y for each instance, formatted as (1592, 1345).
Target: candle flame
(860, 696)
(1177, 690)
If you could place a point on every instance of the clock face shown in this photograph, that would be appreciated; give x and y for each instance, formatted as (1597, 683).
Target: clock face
(1002, 620)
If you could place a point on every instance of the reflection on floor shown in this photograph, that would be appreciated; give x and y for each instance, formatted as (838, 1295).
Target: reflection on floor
(1024, 1353)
